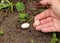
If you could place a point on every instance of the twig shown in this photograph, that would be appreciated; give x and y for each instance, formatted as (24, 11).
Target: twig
(30, 19)
(7, 11)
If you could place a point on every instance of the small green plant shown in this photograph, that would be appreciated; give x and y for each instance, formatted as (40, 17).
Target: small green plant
(11, 5)
(23, 17)
(1, 33)
(32, 41)
(2, 1)
(20, 6)
(54, 38)
(59, 40)
(5, 4)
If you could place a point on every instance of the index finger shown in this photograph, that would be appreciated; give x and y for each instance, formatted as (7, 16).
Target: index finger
(43, 15)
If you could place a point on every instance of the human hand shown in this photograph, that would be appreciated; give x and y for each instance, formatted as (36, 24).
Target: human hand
(49, 20)
(55, 5)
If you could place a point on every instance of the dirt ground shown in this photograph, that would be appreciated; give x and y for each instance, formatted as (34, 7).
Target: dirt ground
(14, 34)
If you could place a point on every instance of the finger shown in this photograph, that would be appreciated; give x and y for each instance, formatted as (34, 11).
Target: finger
(43, 15)
(52, 14)
(47, 20)
(44, 26)
(46, 2)
(49, 29)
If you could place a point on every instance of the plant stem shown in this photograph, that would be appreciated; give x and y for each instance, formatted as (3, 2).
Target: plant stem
(7, 11)
(8, 1)
(11, 5)
(32, 41)
(2, 1)
(30, 19)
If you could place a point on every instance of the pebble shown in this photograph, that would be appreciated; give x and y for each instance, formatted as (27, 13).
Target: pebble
(25, 25)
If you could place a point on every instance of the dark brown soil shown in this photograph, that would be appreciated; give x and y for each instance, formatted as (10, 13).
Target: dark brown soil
(11, 27)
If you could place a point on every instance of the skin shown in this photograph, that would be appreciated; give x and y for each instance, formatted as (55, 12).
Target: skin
(50, 18)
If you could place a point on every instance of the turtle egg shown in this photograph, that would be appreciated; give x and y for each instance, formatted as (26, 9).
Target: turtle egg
(25, 25)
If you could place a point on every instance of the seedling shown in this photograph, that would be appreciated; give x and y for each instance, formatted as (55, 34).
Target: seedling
(20, 6)
(23, 17)
(32, 41)
(2, 1)
(59, 40)
(54, 38)
(5, 4)
(1, 33)
(11, 5)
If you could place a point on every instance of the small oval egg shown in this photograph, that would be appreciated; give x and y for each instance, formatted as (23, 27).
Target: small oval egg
(25, 25)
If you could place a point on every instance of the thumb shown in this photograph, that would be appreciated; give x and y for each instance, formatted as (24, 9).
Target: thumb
(46, 2)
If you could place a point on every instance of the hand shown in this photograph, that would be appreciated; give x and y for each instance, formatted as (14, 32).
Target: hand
(49, 19)
(55, 5)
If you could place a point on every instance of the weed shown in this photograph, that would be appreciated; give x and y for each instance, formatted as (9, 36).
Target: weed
(59, 40)
(1, 33)
(23, 17)
(54, 38)
(11, 5)
(20, 6)
(32, 41)
(5, 4)
(2, 1)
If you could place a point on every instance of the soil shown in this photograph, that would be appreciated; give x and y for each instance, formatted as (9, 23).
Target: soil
(13, 33)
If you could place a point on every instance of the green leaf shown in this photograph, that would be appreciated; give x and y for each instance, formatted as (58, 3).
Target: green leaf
(54, 35)
(22, 20)
(11, 5)
(3, 1)
(7, 4)
(1, 33)
(8, 1)
(23, 16)
(20, 6)
(54, 38)
(3, 6)
(59, 40)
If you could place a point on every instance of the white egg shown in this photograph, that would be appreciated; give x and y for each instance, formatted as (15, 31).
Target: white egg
(25, 25)
(37, 22)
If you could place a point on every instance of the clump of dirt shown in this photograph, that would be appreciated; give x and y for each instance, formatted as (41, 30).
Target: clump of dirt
(13, 33)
